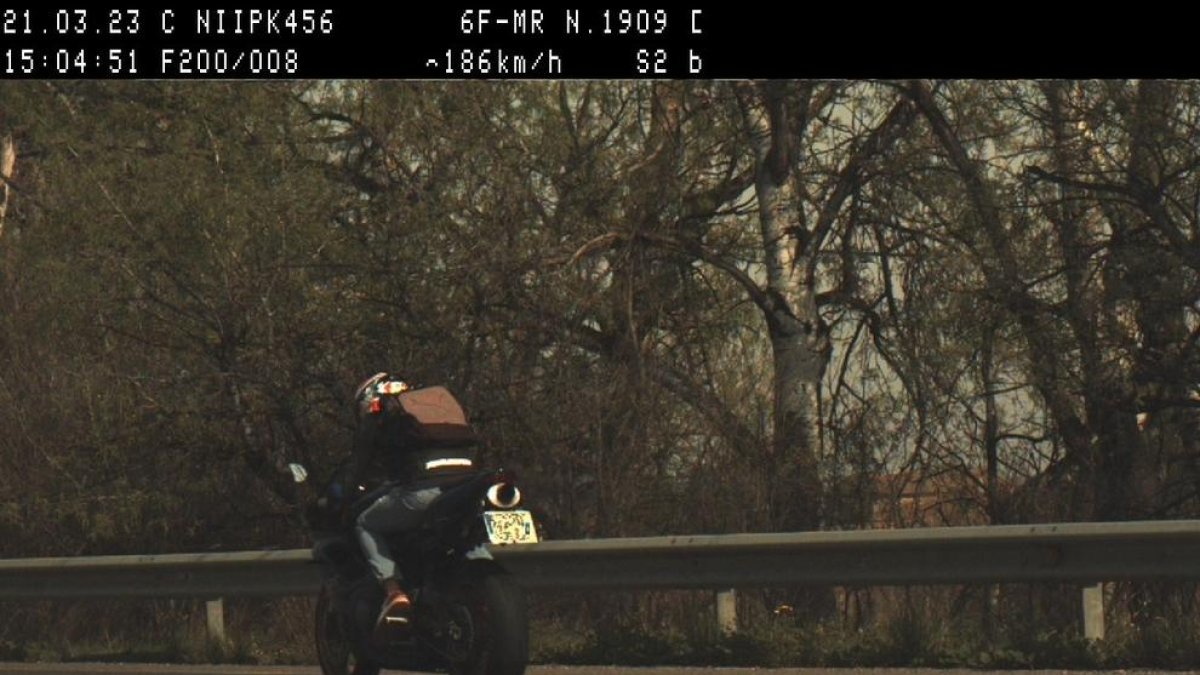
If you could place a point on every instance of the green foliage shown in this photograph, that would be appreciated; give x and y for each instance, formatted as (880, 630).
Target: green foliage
(12, 651)
(1162, 643)
(1057, 648)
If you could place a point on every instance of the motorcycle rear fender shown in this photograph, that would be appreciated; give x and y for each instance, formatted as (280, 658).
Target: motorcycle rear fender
(462, 501)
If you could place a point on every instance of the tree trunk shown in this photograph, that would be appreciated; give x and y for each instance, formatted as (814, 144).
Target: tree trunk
(798, 359)
(798, 352)
(8, 161)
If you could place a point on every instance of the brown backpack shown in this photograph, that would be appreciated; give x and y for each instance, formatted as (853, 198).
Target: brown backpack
(437, 419)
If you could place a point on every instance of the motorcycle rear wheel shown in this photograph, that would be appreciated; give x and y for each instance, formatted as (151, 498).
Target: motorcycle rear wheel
(335, 647)
(488, 630)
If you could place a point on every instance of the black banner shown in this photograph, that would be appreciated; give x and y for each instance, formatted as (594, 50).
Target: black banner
(450, 41)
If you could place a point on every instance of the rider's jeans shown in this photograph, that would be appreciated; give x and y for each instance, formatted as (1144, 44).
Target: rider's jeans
(398, 510)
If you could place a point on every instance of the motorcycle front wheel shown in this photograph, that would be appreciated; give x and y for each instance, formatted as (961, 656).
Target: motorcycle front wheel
(335, 646)
(487, 630)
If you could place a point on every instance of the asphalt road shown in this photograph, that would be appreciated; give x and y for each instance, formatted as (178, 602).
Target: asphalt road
(157, 669)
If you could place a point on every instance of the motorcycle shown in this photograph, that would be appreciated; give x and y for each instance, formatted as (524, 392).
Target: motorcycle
(468, 616)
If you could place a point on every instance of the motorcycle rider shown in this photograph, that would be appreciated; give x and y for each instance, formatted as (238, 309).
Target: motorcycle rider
(384, 446)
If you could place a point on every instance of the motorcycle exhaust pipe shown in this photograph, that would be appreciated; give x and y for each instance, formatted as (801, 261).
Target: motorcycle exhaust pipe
(504, 495)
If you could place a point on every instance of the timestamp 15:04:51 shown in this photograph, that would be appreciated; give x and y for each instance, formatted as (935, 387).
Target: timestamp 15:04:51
(39, 62)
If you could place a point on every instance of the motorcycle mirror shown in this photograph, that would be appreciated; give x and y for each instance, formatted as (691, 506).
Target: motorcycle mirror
(299, 473)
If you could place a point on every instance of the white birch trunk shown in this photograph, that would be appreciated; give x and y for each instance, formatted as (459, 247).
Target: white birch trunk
(795, 484)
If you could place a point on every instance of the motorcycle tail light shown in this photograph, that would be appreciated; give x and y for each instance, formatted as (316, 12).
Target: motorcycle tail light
(504, 495)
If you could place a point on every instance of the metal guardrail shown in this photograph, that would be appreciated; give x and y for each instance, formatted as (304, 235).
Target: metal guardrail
(1076, 552)
(1072, 552)
(204, 575)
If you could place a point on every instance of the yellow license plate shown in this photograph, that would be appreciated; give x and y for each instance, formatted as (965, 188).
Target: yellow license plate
(510, 527)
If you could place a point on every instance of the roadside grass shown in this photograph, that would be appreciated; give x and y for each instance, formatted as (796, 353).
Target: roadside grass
(902, 642)
(280, 632)
(257, 632)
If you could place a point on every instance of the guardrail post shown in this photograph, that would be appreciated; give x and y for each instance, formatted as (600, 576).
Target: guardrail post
(1093, 612)
(727, 612)
(215, 612)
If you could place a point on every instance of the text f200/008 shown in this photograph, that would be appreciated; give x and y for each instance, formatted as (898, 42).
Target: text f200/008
(177, 62)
